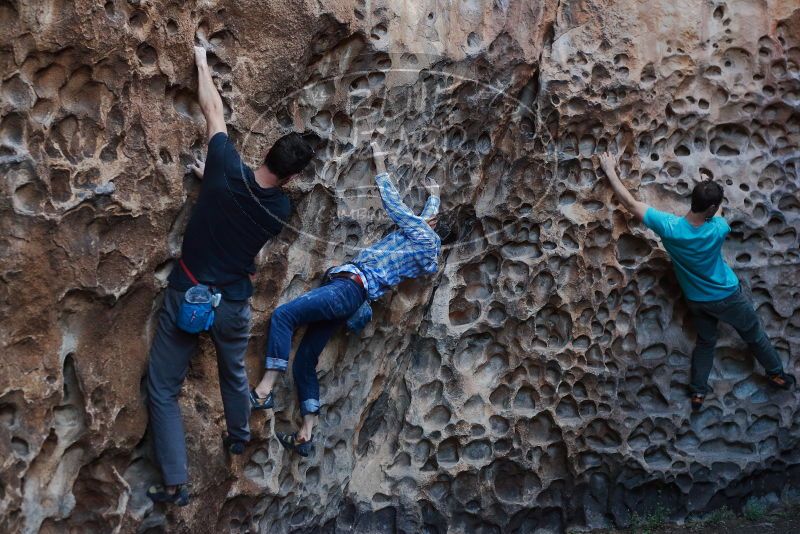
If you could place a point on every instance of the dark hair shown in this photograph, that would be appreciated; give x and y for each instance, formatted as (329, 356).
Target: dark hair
(289, 155)
(706, 194)
(443, 230)
(456, 224)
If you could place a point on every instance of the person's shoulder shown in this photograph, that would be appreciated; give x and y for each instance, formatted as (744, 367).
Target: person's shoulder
(218, 139)
(653, 216)
(217, 144)
(280, 204)
(285, 203)
(233, 161)
(721, 223)
(654, 212)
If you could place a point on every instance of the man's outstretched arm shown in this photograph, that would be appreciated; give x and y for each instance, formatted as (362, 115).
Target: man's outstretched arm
(210, 101)
(609, 165)
(431, 208)
(397, 210)
(412, 224)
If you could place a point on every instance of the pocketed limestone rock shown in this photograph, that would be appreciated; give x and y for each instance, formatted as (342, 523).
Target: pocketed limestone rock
(536, 383)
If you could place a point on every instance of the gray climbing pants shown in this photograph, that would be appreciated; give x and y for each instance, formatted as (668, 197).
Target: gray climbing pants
(737, 311)
(170, 353)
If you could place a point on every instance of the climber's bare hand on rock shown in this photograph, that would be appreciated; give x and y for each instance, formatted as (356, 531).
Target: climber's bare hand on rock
(608, 163)
(198, 167)
(200, 56)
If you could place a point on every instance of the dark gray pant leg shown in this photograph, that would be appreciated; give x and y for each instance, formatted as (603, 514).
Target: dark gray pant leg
(230, 333)
(703, 354)
(170, 353)
(741, 315)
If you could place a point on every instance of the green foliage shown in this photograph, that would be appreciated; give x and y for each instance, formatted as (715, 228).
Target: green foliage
(754, 510)
(648, 523)
(718, 516)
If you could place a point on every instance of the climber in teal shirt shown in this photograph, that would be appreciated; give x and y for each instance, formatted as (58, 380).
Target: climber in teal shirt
(710, 287)
(696, 253)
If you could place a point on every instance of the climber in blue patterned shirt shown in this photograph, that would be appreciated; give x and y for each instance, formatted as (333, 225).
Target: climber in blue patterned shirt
(409, 252)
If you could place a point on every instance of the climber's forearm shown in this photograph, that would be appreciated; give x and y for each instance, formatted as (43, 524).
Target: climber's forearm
(630, 203)
(210, 100)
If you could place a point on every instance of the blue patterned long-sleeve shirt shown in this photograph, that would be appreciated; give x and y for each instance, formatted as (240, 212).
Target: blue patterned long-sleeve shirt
(409, 252)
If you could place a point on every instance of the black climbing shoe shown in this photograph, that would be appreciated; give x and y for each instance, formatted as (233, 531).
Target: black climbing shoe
(290, 443)
(781, 380)
(697, 401)
(159, 493)
(261, 403)
(233, 446)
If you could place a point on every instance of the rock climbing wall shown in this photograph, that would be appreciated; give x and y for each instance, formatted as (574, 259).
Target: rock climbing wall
(537, 383)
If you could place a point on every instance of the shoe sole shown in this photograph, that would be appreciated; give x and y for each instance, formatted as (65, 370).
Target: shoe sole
(791, 382)
(295, 449)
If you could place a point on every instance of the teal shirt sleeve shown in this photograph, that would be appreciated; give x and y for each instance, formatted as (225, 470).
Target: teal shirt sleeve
(658, 221)
(722, 226)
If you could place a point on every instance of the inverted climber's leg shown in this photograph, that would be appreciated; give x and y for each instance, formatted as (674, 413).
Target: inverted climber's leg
(336, 300)
(304, 370)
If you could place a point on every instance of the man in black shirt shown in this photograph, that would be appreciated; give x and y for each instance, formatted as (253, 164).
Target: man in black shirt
(237, 212)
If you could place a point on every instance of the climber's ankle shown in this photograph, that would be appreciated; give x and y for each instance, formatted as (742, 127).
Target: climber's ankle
(263, 391)
(265, 387)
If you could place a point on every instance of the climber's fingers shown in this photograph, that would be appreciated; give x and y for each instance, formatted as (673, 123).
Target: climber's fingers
(198, 167)
(607, 161)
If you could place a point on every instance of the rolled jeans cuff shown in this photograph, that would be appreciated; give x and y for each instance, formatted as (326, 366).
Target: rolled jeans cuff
(309, 407)
(276, 364)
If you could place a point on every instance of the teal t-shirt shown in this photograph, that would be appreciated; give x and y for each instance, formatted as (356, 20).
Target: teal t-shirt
(696, 253)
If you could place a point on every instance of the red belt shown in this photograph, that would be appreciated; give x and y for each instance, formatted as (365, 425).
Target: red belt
(350, 276)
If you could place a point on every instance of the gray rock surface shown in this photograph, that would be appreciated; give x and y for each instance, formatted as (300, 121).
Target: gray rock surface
(536, 384)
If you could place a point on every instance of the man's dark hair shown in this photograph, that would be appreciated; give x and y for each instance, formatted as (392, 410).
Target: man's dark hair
(706, 194)
(456, 224)
(289, 155)
(443, 230)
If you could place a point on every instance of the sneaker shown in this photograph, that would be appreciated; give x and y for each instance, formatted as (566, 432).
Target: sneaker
(290, 443)
(261, 403)
(781, 380)
(233, 446)
(697, 401)
(159, 493)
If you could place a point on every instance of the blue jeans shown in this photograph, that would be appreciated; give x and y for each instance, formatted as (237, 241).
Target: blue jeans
(737, 311)
(324, 309)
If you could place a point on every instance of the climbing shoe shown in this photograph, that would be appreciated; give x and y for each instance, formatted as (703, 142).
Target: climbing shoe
(261, 403)
(697, 401)
(290, 443)
(781, 380)
(233, 446)
(159, 493)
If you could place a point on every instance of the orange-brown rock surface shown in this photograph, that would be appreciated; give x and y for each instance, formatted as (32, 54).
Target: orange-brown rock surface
(536, 384)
